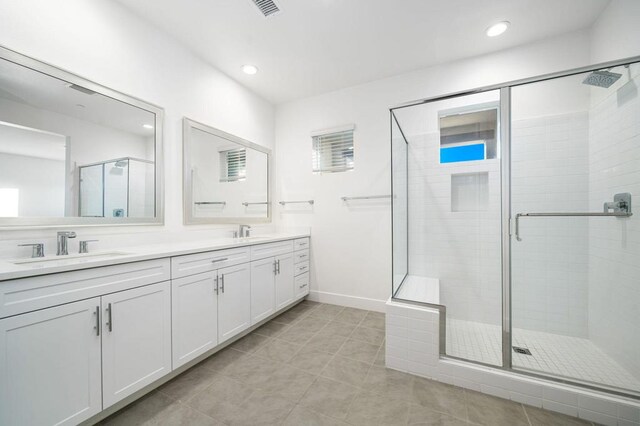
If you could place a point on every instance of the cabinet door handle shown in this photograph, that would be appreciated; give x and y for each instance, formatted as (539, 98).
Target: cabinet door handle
(109, 317)
(278, 263)
(219, 260)
(216, 288)
(222, 282)
(275, 271)
(97, 314)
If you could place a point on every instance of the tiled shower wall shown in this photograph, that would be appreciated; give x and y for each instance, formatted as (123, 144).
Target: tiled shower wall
(550, 165)
(461, 248)
(614, 244)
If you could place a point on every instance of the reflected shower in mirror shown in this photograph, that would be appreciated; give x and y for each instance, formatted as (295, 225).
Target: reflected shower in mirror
(71, 151)
(226, 177)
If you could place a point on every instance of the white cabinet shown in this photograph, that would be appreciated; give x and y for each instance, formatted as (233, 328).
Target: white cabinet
(263, 293)
(234, 302)
(208, 309)
(284, 280)
(50, 365)
(136, 340)
(194, 312)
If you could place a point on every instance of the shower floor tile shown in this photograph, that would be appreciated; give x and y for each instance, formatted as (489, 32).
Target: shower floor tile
(566, 356)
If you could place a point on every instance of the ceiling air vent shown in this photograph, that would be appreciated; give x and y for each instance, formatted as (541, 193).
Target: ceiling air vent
(81, 89)
(267, 7)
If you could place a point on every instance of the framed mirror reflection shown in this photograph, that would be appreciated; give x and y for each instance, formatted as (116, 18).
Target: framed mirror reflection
(226, 178)
(73, 152)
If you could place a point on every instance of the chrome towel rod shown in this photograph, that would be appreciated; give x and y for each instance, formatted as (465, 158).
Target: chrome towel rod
(249, 204)
(366, 197)
(282, 203)
(223, 203)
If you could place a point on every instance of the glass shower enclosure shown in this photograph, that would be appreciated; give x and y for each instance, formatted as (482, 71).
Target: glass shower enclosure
(513, 214)
(122, 187)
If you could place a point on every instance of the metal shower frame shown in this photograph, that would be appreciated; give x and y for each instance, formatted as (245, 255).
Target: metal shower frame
(506, 220)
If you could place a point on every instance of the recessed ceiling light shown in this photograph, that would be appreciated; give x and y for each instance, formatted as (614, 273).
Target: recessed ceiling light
(147, 126)
(497, 29)
(249, 69)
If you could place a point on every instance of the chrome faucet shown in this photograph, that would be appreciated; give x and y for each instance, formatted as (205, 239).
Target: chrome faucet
(243, 231)
(63, 239)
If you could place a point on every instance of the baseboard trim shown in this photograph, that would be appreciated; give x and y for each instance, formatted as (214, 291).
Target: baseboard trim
(346, 300)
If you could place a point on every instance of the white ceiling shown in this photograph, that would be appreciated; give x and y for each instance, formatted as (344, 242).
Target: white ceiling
(315, 46)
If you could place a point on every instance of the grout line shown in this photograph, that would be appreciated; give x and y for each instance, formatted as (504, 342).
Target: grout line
(526, 414)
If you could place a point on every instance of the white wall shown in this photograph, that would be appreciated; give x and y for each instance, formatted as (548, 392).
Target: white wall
(40, 184)
(104, 42)
(352, 243)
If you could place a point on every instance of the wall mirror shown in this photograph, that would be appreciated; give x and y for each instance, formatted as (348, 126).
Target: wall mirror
(226, 178)
(73, 152)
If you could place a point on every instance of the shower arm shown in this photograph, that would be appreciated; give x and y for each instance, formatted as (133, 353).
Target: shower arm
(621, 207)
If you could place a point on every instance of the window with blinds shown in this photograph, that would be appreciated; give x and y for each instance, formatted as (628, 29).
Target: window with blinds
(233, 165)
(333, 151)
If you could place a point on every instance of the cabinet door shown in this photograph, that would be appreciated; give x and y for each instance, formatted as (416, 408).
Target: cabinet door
(50, 365)
(263, 292)
(284, 280)
(194, 316)
(234, 300)
(136, 340)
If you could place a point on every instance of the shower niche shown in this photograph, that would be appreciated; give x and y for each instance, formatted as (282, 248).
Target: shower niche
(498, 222)
(116, 188)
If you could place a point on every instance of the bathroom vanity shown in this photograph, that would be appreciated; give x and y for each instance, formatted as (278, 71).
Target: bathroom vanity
(91, 333)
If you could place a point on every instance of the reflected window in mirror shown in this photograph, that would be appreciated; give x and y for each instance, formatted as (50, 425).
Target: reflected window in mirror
(226, 177)
(75, 152)
(233, 165)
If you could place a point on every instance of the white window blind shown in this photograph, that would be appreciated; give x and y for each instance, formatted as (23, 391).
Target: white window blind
(333, 151)
(233, 165)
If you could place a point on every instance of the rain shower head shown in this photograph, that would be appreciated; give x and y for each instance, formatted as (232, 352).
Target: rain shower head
(601, 79)
(121, 163)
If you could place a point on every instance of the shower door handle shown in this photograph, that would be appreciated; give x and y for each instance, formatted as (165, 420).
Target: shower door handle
(578, 214)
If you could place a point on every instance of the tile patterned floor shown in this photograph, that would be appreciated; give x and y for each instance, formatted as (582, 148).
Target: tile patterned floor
(565, 356)
(318, 364)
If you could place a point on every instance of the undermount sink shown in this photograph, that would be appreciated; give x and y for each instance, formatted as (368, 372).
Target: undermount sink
(243, 239)
(72, 257)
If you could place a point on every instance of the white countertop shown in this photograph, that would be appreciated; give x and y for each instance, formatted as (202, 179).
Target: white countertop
(55, 264)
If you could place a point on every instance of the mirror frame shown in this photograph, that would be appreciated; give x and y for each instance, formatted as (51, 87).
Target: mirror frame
(8, 223)
(187, 188)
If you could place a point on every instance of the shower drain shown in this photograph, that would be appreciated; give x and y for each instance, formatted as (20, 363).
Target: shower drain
(523, 351)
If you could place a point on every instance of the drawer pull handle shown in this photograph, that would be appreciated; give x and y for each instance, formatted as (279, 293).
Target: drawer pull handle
(219, 260)
(109, 317)
(303, 286)
(97, 314)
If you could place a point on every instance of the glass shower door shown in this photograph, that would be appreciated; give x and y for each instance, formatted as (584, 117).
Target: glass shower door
(575, 275)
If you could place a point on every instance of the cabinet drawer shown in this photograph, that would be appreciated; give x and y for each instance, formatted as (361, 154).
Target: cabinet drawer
(271, 249)
(301, 244)
(190, 264)
(301, 268)
(302, 285)
(29, 294)
(301, 256)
